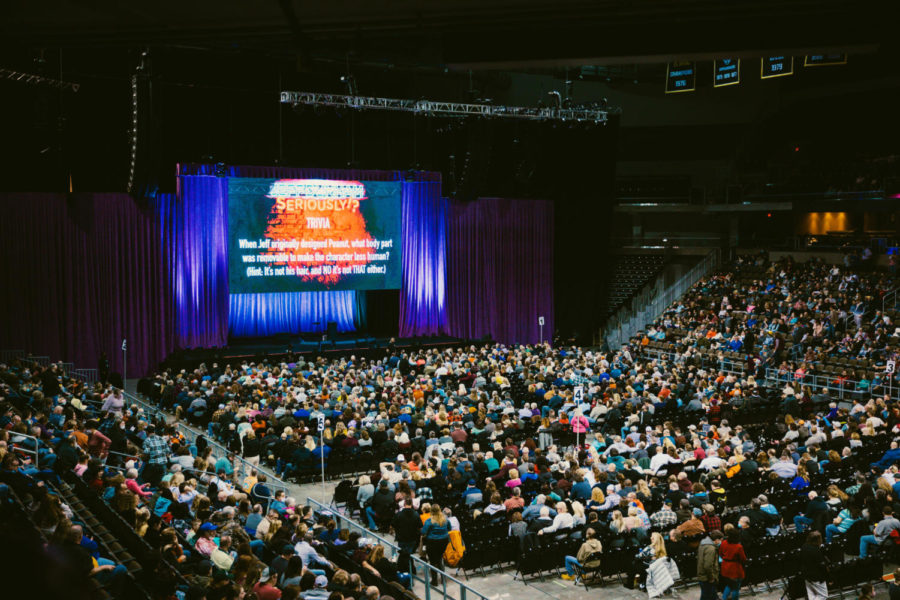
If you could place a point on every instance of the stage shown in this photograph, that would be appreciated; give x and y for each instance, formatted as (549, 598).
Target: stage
(222, 268)
(309, 346)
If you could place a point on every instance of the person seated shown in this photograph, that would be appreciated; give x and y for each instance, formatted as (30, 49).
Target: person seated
(590, 546)
(882, 532)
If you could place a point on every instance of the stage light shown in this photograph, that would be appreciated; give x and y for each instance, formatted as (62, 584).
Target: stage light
(134, 132)
(349, 81)
(555, 99)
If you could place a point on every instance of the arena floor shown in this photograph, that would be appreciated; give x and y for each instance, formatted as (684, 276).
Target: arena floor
(500, 585)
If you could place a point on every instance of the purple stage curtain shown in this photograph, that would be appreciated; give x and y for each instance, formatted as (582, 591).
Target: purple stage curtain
(81, 274)
(423, 304)
(500, 269)
(194, 223)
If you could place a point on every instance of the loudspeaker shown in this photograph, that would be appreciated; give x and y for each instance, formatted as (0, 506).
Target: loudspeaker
(331, 330)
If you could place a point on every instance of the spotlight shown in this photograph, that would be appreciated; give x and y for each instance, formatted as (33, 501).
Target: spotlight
(350, 82)
(554, 99)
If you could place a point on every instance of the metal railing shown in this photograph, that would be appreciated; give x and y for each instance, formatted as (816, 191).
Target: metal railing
(240, 465)
(719, 363)
(16, 439)
(68, 369)
(647, 306)
(892, 296)
(842, 388)
(11, 355)
(420, 570)
(86, 375)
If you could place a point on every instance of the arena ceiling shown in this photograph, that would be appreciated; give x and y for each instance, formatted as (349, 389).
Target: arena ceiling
(458, 33)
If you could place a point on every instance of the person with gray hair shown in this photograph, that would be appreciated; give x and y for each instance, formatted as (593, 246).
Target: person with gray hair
(533, 510)
(544, 520)
(773, 524)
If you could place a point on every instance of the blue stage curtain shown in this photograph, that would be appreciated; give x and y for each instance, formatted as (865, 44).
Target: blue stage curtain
(423, 306)
(267, 314)
(193, 224)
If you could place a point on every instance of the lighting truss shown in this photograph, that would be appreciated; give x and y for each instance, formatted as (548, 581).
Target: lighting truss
(33, 79)
(449, 109)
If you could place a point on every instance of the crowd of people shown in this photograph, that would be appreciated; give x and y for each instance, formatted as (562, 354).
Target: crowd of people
(613, 449)
(222, 531)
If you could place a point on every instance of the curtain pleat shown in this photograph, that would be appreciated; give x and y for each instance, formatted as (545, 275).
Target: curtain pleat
(423, 294)
(500, 269)
(82, 273)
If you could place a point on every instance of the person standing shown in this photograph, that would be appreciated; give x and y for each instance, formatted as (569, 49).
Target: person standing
(894, 587)
(436, 532)
(103, 368)
(813, 567)
(157, 451)
(708, 564)
(407, 527)
(580, 425)
(733, 559)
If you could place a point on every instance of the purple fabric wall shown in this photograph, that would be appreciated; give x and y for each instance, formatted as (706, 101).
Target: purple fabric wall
(80, 275)
(500, 269)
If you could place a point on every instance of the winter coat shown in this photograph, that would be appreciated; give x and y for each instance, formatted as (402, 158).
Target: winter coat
(707, 561)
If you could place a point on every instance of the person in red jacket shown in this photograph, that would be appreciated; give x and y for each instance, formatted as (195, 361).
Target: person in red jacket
(733, 559)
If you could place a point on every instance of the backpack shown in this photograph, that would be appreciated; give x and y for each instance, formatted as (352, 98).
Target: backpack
(455, 549)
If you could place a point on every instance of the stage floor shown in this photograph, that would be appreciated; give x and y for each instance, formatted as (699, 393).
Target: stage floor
(306, 345)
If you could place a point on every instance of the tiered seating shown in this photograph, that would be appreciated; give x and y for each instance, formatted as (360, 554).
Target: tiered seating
(835, 361)
(22, 535)
(157, 574)
(628, 275)
(98, 531)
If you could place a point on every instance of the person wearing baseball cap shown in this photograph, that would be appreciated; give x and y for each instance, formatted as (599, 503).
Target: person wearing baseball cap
(265, 588)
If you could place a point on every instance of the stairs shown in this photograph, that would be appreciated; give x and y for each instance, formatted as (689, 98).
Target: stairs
(628, 275)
